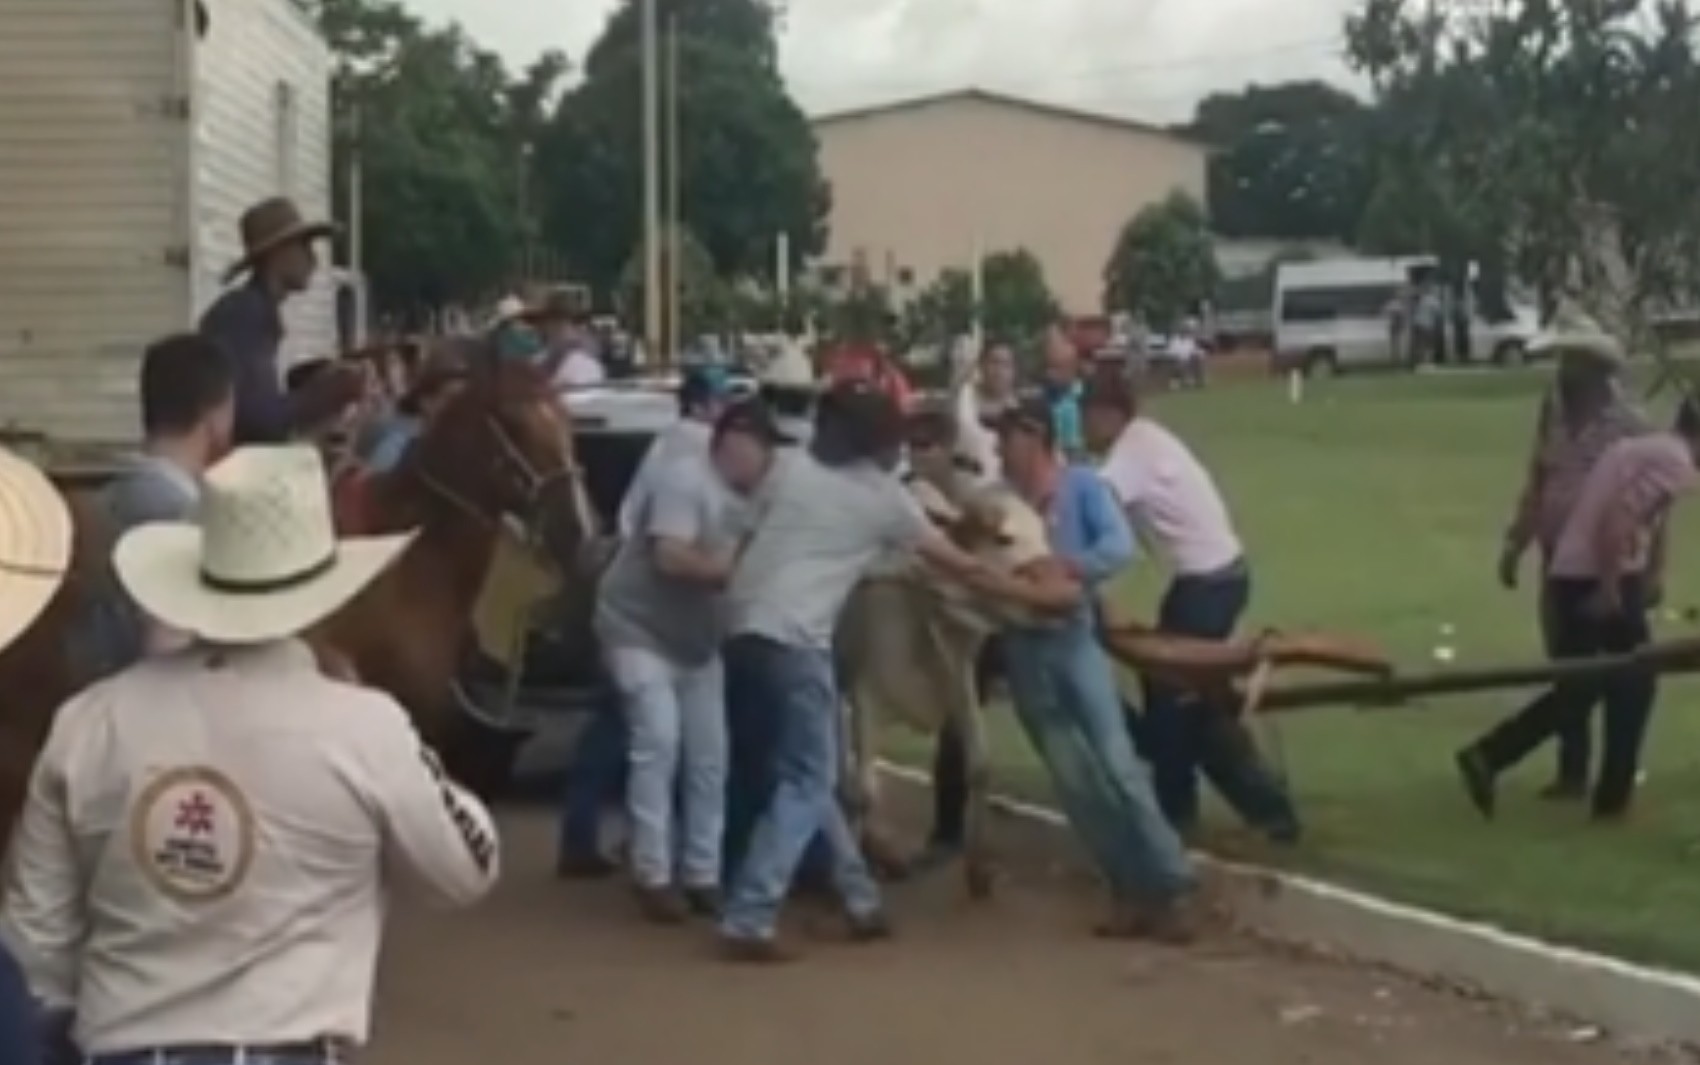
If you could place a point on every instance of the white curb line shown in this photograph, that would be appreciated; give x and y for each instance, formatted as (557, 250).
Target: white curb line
(1637, 1001)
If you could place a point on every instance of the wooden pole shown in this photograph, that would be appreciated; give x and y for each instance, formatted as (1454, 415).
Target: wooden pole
(652, 294)
(675, 225)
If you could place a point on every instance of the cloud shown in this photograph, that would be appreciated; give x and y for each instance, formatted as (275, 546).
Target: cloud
(1140, 58)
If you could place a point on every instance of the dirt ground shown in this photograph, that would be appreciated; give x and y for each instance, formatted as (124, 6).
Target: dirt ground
(549, 972)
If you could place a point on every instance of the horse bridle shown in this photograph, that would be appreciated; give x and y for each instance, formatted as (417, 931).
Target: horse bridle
(533, 483)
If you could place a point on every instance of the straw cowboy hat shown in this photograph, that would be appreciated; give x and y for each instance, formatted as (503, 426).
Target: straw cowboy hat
(270, 225)
(1575, 333)
(790, 370)
(264, 561)
(35, 544)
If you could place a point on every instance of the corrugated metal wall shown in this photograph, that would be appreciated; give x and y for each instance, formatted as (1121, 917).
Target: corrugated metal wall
(263, 130)
(92, 196)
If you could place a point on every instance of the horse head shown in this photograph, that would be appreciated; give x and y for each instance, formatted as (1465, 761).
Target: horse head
(501, 445)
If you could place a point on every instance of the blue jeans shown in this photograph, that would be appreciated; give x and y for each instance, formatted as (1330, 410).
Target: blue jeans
(1066, 698)
(21, 1034)
(596, 777)
(753, 719)
(1183, 737)
(676, 780)
(799, 682)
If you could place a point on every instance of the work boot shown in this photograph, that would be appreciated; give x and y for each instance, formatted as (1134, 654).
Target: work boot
(1478, 781)
(583, 867)
(755, 951)
(662, 905)
(869, 928)
(703, 901)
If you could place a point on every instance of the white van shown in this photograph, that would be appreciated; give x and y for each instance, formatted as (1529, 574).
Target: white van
(1335, 315)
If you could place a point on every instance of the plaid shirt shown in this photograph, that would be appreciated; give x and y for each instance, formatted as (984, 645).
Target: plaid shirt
(1559, 465)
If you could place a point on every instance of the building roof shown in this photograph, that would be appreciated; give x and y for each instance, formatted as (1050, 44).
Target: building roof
(998, 99)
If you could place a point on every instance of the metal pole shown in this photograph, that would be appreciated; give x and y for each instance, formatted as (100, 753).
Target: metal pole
(675, 224)
(652, 338)
(978, 290)
(357, 229)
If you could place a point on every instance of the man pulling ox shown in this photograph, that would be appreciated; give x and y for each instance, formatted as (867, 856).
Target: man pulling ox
(1174, 501)
(824, 517)
(1065, 693)
(201, 867)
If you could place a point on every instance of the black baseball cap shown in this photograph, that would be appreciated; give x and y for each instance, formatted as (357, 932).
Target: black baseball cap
(751, 417)
(1031, 416)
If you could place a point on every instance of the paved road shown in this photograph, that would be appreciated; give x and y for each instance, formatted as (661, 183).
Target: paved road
(552, 973)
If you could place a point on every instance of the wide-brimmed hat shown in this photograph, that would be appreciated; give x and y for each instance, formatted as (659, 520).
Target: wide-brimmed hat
(270, 225)
(557, 304)
(1573, 332)
(35, 544)
(263, 562)
(790, 370)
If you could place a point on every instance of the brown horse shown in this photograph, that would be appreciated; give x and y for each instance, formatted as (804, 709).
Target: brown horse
(500, 448)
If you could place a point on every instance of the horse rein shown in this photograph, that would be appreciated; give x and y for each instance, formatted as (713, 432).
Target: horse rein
(533, 481)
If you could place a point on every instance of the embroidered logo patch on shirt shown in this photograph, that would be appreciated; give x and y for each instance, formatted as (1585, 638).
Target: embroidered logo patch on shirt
(192, 833)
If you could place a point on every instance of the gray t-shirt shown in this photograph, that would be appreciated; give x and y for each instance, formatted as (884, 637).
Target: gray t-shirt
(638, 605)
(817, 530)
(110, 634)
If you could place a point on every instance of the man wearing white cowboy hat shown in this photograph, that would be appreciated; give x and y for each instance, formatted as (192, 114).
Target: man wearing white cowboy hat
(247, 321)
(35, 550)
(201, 866)
(1581, 417)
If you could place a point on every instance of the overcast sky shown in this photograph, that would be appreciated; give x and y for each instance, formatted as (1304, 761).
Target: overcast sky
(1148, 59)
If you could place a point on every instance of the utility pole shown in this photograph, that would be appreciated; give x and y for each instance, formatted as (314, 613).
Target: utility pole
(675, 224)
(357, 227)
(652, 338)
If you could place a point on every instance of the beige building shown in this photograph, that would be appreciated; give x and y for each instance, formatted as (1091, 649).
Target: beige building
(917, 186)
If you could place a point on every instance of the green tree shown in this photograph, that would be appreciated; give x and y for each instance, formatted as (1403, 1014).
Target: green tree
(943, 310)
(1018, 304)
(749, 27)
(439, 131)
(1163, 263)
(1289, 161)
(706, 305)
(748, 159)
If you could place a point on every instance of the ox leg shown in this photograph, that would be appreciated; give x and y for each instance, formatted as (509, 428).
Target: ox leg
(883, 854)
(977, 865)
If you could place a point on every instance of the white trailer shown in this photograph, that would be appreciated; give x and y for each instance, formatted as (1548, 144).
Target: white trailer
(129, 144)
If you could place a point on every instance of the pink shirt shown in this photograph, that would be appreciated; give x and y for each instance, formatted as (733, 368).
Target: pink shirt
(1172, 497)
(1561, 461)
(1642, 475)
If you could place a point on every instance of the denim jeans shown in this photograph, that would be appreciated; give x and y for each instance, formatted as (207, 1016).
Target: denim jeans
(753, 719)
(1183, 737)
(1065, 695)
(21, 1034)
(677, 769)
(799, 681)
(595, 779)
(1628, 696)
(209, 1056)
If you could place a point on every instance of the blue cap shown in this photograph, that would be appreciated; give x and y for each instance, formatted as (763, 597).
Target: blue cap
(703, 383)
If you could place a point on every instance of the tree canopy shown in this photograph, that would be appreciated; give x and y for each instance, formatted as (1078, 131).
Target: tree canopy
(1163, 264)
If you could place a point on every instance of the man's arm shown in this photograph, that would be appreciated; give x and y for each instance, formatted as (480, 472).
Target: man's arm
(1109, 542)
(44, 917)
(1521, 529)
(675, 523)
(435, 832)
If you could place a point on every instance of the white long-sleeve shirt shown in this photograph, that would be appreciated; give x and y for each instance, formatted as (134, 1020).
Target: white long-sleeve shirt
(207, 844)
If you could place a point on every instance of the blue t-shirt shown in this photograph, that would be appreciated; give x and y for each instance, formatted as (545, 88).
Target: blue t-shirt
(1065, 417)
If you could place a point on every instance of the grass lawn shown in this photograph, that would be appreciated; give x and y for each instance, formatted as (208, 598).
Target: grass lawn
(1375, 507)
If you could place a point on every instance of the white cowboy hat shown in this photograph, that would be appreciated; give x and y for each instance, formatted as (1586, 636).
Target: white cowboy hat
(508, 308)
(1572, 331)
(790, 369)
(35, 544)
(264, 561)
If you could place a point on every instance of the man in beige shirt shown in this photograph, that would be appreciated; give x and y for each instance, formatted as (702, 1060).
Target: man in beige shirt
(210, 835)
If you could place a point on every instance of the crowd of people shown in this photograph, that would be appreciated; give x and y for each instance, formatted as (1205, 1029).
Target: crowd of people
(214, 822)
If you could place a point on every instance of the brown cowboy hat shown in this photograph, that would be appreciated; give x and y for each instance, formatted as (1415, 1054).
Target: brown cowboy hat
(555, 305)
(270, 225)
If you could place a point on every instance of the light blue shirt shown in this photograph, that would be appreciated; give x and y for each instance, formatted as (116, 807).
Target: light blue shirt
(1087, 527)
